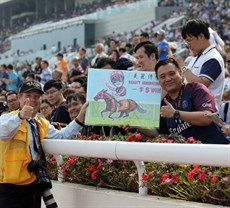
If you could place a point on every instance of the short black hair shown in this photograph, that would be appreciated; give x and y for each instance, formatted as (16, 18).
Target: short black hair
(38, 58)
(123, 64)
(122, 50)
(165, 62)
(149, 47)
(46, 62)
(11, 92)
(105, 61)
(114, 40)
(53, 83)
(4, 66)
(129, 45)
(60, 54)
(145, 34)
(77, 97)
(195, 27)
(10, 66)
(82, 81)
(31, 75)
(47, 102)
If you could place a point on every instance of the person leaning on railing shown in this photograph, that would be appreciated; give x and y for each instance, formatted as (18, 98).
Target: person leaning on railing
(184, 107)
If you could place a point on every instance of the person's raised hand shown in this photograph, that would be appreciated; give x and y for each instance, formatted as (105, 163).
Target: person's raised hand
(167, 111)
(81, 115)
(27, 111)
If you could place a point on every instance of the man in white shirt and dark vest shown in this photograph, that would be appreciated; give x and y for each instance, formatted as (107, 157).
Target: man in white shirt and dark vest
(18, 147)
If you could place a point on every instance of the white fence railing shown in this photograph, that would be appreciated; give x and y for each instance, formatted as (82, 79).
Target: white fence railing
(202, 154)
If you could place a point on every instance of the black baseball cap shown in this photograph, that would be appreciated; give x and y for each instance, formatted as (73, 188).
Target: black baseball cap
(30, 85)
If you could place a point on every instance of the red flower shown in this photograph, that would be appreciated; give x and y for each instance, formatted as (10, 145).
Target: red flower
(72, 160)
(64, 173)
(202, 176)
(164, 140)
(94, 175)
(138, 137)
(92, 168)
(145, 177)
(175, 178)
(99, 166)
(214, 179)
(195, 167)
(90, 138)
(191, 175)
(130, 139)
(164, 177)
(148, 139)
(53, 159)
(95, 135)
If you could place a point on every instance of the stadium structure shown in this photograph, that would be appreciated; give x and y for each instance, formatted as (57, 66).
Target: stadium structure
(42, 24)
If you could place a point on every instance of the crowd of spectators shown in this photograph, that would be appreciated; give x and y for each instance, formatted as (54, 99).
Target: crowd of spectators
(80, 9)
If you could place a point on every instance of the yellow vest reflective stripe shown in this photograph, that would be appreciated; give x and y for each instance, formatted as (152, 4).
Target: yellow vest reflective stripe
(15, 154)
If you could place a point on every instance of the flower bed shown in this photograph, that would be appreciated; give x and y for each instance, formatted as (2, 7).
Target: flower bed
(179, 181)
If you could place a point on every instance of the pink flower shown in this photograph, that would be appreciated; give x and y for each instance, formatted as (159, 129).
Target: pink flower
(191, 140)
(168, 180)
(109, 161)
(225, 179)
(132, 174)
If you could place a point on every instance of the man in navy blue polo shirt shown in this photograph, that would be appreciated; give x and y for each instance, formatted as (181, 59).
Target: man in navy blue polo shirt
(184, 107)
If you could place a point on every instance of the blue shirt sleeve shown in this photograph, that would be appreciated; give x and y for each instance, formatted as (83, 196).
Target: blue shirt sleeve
(211, 70)
(163, 45)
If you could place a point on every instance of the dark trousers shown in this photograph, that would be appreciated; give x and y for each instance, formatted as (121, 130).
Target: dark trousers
(20, 196)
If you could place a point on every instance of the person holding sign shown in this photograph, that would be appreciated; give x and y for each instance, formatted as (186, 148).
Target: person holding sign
(184, 107)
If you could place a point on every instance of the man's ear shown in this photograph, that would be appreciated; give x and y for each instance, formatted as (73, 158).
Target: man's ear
(201, 36)
(153, 56)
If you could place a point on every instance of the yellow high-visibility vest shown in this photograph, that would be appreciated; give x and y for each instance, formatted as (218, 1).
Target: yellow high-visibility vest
(15, 154)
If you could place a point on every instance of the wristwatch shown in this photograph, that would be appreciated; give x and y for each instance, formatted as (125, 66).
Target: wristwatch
(176, 114)
(184, 69)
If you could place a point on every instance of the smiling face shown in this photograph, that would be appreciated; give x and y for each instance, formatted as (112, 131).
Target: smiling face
(12, 102)
(74, 108)
(45, 109)
(146, 62)
(170, 78)
(34, 97)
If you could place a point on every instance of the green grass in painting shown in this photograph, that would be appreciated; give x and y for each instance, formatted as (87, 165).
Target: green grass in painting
(149, 119)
